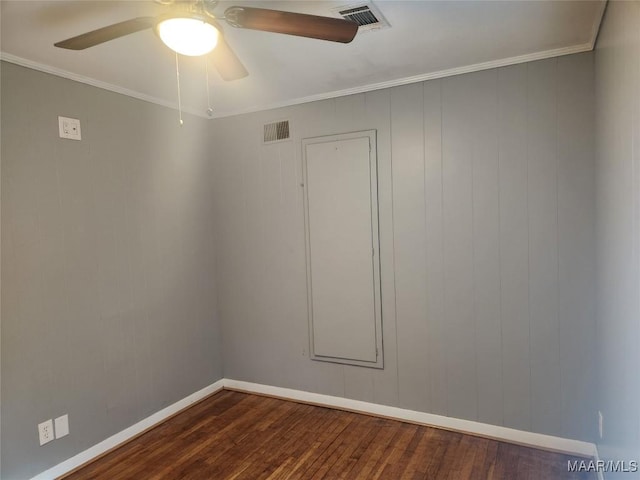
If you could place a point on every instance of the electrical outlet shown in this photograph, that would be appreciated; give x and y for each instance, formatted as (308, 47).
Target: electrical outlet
(69, 128)
(600, 423)
(62, 426)
(45, 431)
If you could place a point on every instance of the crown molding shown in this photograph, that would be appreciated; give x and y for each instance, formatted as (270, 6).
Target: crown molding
(476, 67)
(58, 72)
(595, 28)
(504, 62)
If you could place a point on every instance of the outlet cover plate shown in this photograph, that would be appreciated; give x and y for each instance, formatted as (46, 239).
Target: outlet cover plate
(45, 432)
(69, 128)
(62, 426)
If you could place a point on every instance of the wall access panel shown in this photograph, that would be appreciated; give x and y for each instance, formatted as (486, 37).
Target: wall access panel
(343, 264)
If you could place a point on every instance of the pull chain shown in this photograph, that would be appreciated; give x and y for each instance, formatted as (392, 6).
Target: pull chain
(206, 72)
(178, 83)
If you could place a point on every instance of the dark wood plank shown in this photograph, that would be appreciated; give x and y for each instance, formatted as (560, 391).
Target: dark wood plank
(237, 436)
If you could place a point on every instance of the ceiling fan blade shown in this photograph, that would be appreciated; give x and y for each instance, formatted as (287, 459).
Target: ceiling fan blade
(105, 34)
(227, 62)
(299, 24)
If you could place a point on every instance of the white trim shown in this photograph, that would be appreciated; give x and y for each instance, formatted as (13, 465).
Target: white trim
(595, 28)
(41, 67)
(536, 440)
(511, 435)
(529, 57)
(127, 433)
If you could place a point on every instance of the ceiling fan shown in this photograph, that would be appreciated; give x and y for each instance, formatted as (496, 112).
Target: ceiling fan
(191, 28)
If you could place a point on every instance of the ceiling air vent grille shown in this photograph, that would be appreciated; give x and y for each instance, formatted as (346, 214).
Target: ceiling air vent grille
(366, 15)
(276, 131)
(361, 15)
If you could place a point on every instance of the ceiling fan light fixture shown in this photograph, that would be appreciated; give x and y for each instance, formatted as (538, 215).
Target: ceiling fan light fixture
(189, 35)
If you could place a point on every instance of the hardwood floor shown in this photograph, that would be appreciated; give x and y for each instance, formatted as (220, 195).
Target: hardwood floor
(234, 435)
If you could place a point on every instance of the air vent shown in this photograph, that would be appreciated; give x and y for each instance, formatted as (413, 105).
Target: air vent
(366, 15)
(276, 131)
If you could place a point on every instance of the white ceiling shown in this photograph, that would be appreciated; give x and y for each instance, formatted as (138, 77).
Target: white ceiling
(427, 39)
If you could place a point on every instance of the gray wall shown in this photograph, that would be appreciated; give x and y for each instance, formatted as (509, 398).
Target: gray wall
(487, 214)
(487, 219)
(617, 62)
(108, 303)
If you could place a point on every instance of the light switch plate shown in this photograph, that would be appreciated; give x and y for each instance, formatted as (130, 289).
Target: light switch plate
(62, 426)
(69, 128)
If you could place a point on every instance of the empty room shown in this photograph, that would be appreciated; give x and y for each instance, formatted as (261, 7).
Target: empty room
(312, 240)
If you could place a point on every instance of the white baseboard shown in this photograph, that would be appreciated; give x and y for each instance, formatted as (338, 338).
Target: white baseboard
(511, 435)
(127, 433)
(537, 440)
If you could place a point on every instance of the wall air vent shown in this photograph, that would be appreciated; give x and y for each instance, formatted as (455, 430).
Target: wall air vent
(366, 15)
(276, 131)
